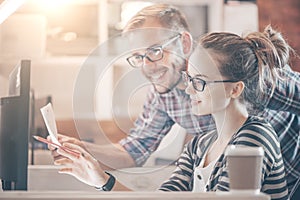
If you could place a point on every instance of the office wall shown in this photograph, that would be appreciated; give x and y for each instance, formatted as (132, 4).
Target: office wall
(285, 16)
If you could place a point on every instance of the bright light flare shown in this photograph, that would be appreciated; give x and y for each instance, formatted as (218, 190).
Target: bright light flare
(8, 7)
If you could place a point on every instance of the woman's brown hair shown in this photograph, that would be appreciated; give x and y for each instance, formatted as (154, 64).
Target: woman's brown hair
(253, 59)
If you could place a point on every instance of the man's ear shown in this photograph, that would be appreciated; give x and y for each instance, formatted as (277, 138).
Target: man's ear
(187, 42)
(237, 89)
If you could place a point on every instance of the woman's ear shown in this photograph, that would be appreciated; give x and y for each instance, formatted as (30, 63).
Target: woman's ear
(237, 89)
(187, 42)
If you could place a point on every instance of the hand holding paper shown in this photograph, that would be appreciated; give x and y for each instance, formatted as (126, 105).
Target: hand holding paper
(74, 153)
(49, 118)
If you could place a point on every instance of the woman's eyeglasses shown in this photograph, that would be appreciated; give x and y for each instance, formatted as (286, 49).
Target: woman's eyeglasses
(153, 54)
(198, 83)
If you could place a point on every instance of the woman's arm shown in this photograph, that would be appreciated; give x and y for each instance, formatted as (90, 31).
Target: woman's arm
(84, 167)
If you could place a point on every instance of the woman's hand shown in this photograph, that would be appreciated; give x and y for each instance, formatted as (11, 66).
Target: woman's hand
(62, 139)
(84, 167)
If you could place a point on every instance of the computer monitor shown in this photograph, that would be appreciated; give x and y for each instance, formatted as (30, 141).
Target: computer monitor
(14, 129)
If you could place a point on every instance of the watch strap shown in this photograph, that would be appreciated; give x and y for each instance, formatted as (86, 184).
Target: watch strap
(109, 184)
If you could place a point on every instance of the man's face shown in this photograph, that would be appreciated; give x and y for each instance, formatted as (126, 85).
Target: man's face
(164, 73)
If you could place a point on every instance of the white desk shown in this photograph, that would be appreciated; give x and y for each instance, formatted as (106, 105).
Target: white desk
(45, 183)
(127, 195)
(46, 177)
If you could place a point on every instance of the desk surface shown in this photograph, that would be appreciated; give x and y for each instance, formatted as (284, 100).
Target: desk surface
(45, 177)
(60, 195)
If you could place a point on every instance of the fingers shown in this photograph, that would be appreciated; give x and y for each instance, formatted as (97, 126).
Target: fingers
(88, 158)
(66, 139)
(66, 171)
(53, 149)
(59, 136)
(63, 151)
(55, 155)
(62, 139)
(63, 161)
(68, 166)
(50, 147)
(74, 147)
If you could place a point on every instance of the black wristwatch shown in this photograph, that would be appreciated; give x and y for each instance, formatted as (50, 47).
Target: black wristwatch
(109, 184)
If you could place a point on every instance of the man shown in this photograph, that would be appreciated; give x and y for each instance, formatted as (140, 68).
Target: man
(167, 103)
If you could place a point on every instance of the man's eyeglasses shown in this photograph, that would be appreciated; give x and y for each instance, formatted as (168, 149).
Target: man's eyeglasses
(153, 54)
(198, 83)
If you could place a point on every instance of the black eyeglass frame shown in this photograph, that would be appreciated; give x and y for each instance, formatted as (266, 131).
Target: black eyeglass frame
(159, 48)
(186, 77)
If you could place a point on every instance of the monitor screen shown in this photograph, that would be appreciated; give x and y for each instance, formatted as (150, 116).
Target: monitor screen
(14, 129)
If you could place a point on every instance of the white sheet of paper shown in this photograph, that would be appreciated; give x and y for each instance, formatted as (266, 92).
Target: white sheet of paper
(49, 118)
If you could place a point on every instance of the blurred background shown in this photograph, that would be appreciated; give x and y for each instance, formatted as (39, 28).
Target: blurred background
(59, 35)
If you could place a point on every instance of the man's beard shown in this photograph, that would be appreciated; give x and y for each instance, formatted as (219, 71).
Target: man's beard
(176, 79)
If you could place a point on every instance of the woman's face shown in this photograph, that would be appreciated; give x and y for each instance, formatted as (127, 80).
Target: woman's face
(215, 96)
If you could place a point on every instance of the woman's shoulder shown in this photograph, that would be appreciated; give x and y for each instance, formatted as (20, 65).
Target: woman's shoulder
(255, 125)
(257, 132)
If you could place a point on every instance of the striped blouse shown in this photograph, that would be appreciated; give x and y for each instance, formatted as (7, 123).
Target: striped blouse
(255, 132)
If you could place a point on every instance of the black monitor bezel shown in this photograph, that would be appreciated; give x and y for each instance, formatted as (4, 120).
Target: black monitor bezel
(14, 130)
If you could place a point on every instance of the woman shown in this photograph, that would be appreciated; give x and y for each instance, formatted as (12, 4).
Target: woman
(227, 81)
